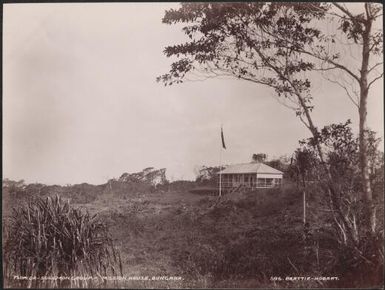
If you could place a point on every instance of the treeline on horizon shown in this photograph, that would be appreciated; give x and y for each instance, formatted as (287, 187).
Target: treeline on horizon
(300, 166)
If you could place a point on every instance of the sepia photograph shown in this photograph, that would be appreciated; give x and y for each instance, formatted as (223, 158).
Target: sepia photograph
(166, 145)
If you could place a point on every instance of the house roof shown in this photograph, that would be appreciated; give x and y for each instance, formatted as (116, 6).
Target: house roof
(254, 167)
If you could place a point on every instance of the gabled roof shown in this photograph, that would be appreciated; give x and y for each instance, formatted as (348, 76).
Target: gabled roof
(254, 167)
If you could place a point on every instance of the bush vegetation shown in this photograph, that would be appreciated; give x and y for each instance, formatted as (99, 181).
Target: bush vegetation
(359, 249)
(47, 237)
(238, 240)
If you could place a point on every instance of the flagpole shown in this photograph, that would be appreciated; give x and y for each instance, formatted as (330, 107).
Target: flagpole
(220, 170)
(223, 146)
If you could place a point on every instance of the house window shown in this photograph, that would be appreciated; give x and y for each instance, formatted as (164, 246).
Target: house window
(260, 182)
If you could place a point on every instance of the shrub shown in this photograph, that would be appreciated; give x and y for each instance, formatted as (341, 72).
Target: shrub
(47, 237)
(240, 259)
(205, 190)
(362, 266)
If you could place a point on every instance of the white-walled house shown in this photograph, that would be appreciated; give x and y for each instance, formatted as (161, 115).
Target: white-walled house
(251, 175)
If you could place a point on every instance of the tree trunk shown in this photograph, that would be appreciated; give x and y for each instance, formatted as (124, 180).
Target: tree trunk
(332, 192)
(367, 197)
(335, 202)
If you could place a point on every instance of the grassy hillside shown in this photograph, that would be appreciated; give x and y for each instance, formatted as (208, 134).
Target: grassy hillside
(240, 240)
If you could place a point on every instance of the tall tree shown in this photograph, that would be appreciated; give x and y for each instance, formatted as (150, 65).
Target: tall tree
(360, 33)
(276, 45)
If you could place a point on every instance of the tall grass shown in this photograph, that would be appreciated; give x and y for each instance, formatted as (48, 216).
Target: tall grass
(49, 238)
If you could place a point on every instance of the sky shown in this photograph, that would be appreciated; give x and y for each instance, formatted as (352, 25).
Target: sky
(81, 102)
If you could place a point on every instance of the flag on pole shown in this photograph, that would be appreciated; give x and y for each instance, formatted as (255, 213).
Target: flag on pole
(223, 139)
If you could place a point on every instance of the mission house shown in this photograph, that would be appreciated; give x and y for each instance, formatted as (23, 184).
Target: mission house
(250, 175)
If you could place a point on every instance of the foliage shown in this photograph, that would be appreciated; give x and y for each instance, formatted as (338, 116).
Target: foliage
(237, 242)
(14, 188)
(362, 250)
(147, 180)
(47, 237)
(205, 190)
(342, 155)
(148, 175)
(249, 232)
(260, 157)
(208, 175)
(304, 166)
(282, 163)
(253, 41)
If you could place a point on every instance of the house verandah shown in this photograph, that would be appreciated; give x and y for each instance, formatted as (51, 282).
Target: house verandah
(250, 180)
(251, 176)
